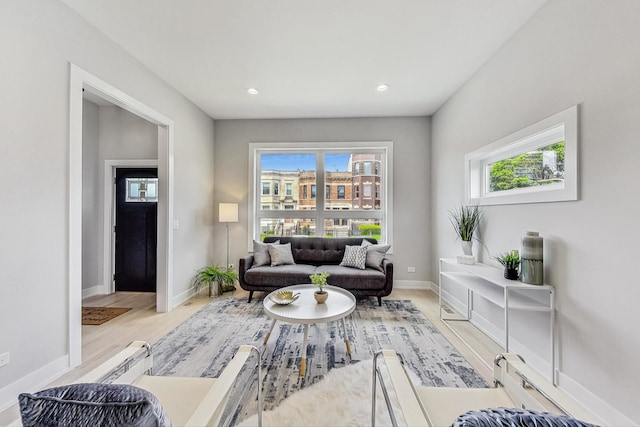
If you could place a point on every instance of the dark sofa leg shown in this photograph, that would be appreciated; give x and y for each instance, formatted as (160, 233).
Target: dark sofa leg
(250, 296)
(380, 301)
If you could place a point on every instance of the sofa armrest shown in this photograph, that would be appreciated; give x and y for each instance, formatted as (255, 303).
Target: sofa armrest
(244, 264)
(387, 267)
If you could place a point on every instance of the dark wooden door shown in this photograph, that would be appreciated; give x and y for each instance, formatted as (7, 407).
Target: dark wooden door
(136, 231)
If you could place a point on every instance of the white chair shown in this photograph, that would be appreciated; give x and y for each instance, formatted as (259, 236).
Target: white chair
(187, 401)
(516, 386)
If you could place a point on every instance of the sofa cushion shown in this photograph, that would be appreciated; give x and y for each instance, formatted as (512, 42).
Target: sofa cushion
(281, 254)
(318, 250)
(375, 254)
(354, 256)
(352, 278)
(279, 276)
(91, 405)
(261, 253)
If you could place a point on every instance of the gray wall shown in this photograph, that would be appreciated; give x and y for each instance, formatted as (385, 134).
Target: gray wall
(38, 39)
(109, 133)
(410, 186)
(570, 52)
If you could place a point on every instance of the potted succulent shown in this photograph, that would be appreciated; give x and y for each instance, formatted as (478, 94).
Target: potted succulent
(511, 263)
(218, 279)
(465, 221)
(320, 280)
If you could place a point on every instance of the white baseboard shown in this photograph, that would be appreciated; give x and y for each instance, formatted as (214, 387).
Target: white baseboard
(33, 382)
(412, 284)
(93, 290)
(609, 415)
(182, 297)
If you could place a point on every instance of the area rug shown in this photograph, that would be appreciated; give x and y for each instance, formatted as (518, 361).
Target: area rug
(204, 343)
(342, 398)
(100, 315)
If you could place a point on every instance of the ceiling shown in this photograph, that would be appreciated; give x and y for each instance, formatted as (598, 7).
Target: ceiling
(311, 58)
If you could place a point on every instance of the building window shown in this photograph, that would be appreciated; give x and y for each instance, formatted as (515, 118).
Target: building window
(265, 188)
(377, 166)
(337, 211)
(276, 188)
(142, 190)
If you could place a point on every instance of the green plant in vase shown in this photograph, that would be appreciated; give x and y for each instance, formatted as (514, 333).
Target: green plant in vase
(465, 221)
(320, 280)
(218, 279)
(511, 263)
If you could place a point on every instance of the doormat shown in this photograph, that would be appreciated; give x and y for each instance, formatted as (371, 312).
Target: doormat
(100, 315)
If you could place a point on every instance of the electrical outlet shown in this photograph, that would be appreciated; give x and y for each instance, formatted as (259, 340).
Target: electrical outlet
(232, 265)
(4, 359)
(411, 269)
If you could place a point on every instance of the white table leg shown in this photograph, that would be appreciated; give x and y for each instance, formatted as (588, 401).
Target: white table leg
(266, 337)
(346, 337)
(303, 361)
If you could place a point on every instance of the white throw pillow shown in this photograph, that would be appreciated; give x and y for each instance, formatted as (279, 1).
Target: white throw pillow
(281, 254)
(354, 256)
(261, 253)
(375, 254)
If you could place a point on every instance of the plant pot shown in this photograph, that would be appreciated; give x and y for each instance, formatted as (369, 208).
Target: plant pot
(214, 289)
(467, 247)
(321, 296)
(511, 273)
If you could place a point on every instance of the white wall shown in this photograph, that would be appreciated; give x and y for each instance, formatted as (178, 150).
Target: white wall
(38, 40)
(411, 152)
(570, 52)
(91, 213)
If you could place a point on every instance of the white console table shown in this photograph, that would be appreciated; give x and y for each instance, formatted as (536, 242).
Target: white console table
(489, 283)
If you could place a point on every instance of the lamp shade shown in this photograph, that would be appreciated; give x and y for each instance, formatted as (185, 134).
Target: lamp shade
(228, 212)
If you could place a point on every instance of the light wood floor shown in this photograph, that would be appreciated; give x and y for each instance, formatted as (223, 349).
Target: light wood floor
(143, 323)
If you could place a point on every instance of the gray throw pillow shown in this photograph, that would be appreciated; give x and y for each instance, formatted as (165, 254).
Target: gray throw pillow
(375, 254)
(354, 256)
(281, 254)
(92, 405)
(261, 253)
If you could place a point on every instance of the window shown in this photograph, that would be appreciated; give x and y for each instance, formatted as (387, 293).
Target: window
(303, 168)
(377, 166)
(142, 190)
(535, 164)
(367, 168)
(265, 188)
(276, 188)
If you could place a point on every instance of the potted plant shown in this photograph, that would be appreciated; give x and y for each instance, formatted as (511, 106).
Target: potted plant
(465, 221)
(320, 280)
(511, 263)
(218, 279)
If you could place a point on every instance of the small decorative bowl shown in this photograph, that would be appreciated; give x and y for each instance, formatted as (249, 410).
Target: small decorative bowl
(284, 297)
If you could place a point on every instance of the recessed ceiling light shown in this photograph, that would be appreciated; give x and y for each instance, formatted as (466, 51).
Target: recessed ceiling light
(382, 87)
(252, 91)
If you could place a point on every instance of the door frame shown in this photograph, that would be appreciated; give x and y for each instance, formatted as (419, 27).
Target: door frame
(109, 252)
(79, 81)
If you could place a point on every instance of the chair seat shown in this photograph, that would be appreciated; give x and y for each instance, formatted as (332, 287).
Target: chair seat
(179, 396)
(445, 404)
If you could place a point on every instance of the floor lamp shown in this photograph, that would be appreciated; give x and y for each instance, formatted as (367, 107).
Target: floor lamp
(228, 212)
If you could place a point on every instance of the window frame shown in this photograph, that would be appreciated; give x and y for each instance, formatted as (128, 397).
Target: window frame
(537, 135)
(384, 214)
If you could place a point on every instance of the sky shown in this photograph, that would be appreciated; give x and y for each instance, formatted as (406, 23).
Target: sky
(292, 162)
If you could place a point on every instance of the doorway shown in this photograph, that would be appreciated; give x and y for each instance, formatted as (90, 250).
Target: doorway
(136, 214)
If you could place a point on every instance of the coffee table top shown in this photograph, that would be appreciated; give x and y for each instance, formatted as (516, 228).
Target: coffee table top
(306, 310)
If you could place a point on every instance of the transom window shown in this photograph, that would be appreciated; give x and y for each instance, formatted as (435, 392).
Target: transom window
(349, 172)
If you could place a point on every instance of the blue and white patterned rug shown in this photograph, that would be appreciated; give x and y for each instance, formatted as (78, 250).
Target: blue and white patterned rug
(203, 344)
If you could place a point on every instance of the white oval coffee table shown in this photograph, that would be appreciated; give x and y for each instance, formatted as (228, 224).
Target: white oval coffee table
(306, 310)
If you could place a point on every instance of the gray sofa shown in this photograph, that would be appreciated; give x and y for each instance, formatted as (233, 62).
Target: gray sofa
(314, 255)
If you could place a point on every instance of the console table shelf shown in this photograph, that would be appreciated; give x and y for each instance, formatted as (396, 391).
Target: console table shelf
(488, 283)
